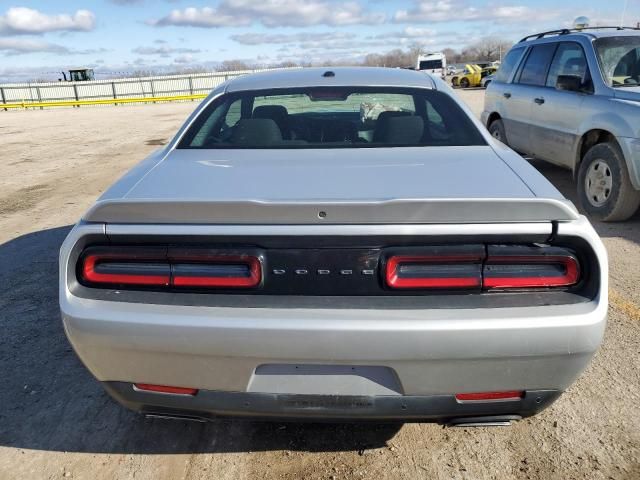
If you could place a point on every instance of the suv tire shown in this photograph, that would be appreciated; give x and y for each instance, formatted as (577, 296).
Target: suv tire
(496, 129)
(464, 83)
(604, 188)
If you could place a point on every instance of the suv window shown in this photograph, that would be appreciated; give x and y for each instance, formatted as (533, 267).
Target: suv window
(619, 58)
(536, 66)
(508, 64)
(568, 60)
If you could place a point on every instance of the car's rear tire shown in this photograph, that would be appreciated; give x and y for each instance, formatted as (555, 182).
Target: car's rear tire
(487, 83)
(464, 83)
(604, 187)
(496, 129)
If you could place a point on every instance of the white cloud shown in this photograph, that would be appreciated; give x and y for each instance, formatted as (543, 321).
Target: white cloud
(15, 46)
(187, 58)
(283, 38)
(163, 50)
(461, 10)
(272, 13)
(22, 20)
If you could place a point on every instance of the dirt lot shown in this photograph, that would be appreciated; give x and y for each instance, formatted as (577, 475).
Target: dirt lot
(56, 422)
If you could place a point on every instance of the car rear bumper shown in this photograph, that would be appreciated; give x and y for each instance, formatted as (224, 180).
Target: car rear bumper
(207, 404)
(336, 352)
(349, 351)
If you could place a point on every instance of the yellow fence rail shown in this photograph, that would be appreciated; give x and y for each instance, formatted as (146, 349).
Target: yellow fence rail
(107, 101)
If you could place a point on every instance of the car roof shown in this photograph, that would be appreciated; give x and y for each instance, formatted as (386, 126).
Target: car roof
(569, 34)
(333, 77)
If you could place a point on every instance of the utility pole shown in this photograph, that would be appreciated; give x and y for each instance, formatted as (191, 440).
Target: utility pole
(624, 12)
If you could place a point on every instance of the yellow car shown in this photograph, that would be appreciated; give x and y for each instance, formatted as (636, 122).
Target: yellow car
(471, 76)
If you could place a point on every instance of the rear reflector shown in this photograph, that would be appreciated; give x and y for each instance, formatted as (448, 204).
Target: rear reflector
(133, 266)
(165, 389)
(488, 396)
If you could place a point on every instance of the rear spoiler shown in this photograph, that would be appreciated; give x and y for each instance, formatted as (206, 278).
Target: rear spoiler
(304, 212)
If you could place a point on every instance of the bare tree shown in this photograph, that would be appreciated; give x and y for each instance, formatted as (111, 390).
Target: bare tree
(233, 65)
(492, 48)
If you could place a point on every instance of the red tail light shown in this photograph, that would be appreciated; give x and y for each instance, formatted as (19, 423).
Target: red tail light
(134, 270)
(436, 267)
(165, 389)
(229, 271)
(525, 267)
(468, 267)
(134, 266)
(489, 396)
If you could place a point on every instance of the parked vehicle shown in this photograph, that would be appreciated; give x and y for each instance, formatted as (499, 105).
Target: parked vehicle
(344, 244)
(572, 97)
(472, 76)
(486, 81)
(78, 75)
(433, 63)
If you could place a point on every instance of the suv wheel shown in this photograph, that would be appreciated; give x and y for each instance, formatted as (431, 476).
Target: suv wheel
(464, 83)
(496, 129)
(604, 187)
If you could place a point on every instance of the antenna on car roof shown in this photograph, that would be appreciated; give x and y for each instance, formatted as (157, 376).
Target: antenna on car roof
(328, 73)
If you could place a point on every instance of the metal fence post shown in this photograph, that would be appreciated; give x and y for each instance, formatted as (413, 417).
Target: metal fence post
(113, 89)
(4, 99)
(153, 90)
(190, 87)
(75, 93)
(39, 96)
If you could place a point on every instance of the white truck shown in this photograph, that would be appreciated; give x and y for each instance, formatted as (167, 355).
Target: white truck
(434, 63)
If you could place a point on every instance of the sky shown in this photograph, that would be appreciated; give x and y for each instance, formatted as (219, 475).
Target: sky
(39, 38)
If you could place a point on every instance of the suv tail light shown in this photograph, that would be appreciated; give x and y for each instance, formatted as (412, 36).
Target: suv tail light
(473, 267)
(136, 266)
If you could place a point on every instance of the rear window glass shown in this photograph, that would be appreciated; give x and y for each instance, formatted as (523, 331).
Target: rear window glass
(508, 65)
(430, 64)
(332, 118)
(536, 66)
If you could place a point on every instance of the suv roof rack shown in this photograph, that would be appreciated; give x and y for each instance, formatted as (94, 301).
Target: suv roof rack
(566, 31)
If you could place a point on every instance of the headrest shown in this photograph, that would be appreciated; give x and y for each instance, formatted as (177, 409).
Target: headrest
(256, 131)
(399, 129)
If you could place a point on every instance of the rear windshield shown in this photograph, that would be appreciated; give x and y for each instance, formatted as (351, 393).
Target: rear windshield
(332, 118)
(430, 64)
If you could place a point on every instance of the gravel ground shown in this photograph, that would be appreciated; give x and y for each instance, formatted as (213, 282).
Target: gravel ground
(56, 422)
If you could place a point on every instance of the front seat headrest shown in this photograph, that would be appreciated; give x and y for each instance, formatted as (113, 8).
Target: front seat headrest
(256, 131)
(399, 129)
(278, 114)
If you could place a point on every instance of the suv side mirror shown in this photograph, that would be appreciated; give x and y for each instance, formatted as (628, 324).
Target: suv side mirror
(571, 83)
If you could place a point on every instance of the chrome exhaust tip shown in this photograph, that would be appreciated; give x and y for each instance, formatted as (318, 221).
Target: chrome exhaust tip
(165, 416)
(489, 421)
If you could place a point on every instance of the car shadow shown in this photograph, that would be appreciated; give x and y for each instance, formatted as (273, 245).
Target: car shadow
(563, 181)
(49, 401)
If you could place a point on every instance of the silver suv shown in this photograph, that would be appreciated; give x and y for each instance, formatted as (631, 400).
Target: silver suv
(572, 98)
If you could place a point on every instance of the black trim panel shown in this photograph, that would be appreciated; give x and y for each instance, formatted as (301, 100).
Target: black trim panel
(208, 404)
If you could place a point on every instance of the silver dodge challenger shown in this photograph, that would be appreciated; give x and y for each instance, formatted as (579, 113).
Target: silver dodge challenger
(344, 244)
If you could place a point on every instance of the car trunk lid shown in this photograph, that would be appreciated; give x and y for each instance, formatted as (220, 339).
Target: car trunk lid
(337, 186)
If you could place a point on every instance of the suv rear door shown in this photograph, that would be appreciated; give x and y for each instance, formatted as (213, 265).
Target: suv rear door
(555, 114)
(521, 95)
(500, 92)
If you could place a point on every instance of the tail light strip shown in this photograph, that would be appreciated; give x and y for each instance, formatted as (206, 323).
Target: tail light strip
(131, 266)
(501, 268)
